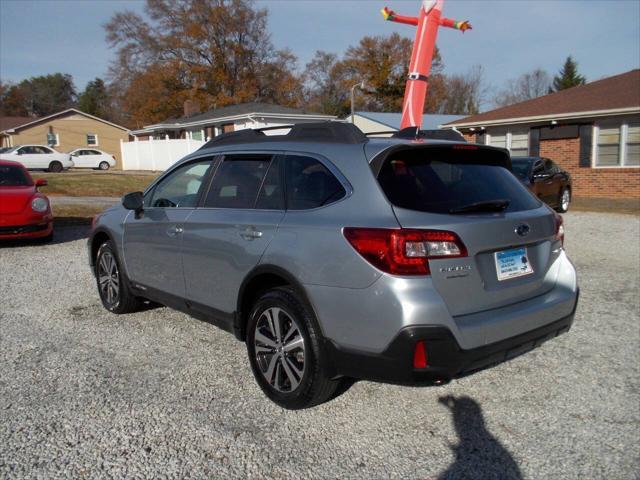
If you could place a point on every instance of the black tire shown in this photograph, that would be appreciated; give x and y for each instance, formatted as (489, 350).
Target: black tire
(55, 167)
(563, 205)
(123, 301)
(103, 166)
(315, 386)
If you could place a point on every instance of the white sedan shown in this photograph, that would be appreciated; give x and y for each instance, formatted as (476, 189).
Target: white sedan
(92, 158)
(39, 157)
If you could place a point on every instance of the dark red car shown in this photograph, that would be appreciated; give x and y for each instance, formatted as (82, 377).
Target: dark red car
(545, 179)
(24, 212)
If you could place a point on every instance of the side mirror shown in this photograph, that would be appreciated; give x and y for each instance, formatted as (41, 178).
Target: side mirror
(41, 182)
(19, 152)
(133, 201)
(74, 154)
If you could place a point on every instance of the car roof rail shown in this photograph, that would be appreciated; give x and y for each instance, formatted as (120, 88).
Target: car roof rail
(414, 133)
(332, 132)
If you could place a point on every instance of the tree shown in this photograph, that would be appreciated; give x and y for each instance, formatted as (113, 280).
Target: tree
(95, 100)
(40, 96)
(326, 90)
(382, 62)
(529, 85)
(568, 76)
(218, 51)
(464, 94)
(13, 102)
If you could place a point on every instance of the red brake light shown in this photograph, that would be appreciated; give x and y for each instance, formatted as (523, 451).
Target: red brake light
(403, 251)
(420, 355)
(560, 228)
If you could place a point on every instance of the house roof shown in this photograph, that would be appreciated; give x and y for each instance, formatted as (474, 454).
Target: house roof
(231, 113)
(612, 95)
(33, 121)
(393, 120)
(240, 109)
(7, 123)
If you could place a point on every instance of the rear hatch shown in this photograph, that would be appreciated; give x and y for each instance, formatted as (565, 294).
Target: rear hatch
(469, 190)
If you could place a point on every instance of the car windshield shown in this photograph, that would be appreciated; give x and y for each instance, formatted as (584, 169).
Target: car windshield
(10, 149)
(521, 167)
(11, 176)
(444, 180)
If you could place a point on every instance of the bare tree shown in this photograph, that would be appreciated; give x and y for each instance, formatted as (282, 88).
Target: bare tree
(527, 86)
(464, 94)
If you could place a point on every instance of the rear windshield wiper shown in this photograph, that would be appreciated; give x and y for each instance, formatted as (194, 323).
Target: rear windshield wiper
(486, 206)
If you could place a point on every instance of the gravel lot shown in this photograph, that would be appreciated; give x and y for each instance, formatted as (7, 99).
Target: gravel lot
(84, 393)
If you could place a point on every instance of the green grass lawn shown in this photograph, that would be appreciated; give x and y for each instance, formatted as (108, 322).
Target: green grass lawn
(94, 184)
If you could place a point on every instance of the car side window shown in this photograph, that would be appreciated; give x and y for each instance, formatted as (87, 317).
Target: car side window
(271, 196)
(46, 150)
(310, 184)
(548, 166)
(181, 188)
(25, 150)
(237, 181)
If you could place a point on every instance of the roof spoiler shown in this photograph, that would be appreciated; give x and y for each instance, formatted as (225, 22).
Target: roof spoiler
(414, 133)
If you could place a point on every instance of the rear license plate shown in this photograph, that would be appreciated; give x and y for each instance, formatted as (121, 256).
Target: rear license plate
(512, 263)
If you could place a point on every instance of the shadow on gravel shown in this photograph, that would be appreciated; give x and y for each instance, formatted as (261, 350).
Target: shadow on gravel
(478, 453)
(60, 235)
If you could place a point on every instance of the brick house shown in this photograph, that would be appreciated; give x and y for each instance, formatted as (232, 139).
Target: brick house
(592, 131)
(70, 128)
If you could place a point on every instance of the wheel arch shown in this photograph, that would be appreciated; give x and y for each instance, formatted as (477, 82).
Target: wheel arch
(259, 280)
(97, 238)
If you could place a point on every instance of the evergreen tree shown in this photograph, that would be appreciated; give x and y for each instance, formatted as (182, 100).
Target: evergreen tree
(95, 99)
(568, 76)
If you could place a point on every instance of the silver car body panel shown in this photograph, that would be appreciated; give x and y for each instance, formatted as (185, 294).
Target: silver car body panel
(357, 306)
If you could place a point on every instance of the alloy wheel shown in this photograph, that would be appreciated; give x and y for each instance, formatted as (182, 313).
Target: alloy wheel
(108, 278)
(279, 349)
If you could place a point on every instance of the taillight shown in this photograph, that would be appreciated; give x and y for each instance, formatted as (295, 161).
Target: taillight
(403, 251)
(559, 229)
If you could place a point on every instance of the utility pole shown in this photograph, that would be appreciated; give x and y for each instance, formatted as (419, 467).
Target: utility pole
(353, 100)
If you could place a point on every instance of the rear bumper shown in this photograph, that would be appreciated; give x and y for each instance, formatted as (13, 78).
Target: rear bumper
(446, 359)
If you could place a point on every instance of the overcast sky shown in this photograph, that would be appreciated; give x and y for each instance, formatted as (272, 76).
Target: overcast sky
(509, 37)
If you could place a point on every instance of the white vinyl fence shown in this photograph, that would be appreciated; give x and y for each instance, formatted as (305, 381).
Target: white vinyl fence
(155, 154)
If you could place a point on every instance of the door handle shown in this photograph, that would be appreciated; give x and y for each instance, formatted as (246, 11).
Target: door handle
(174, 230)
(250, 233)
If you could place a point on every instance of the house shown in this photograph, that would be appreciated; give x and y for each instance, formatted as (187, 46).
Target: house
(370, 122)
(66, 131)
(204, 126)
(592, 131)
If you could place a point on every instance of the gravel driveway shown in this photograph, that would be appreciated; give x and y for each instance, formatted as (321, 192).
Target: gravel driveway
(84, 393)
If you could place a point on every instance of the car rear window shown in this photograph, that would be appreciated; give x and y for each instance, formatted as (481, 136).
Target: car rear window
(13, 177)
(446, 179)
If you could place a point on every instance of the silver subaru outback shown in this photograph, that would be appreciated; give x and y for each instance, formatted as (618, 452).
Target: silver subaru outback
(335, 256)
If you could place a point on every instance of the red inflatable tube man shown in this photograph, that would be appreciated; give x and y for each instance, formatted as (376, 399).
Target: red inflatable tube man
(427, 22)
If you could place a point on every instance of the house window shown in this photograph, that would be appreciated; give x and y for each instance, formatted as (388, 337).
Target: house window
(92, 139)
(516, 141)
(617, 144)
(53, 139)
(519, 144)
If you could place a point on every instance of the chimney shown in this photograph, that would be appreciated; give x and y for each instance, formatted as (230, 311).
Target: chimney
(191, 108)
